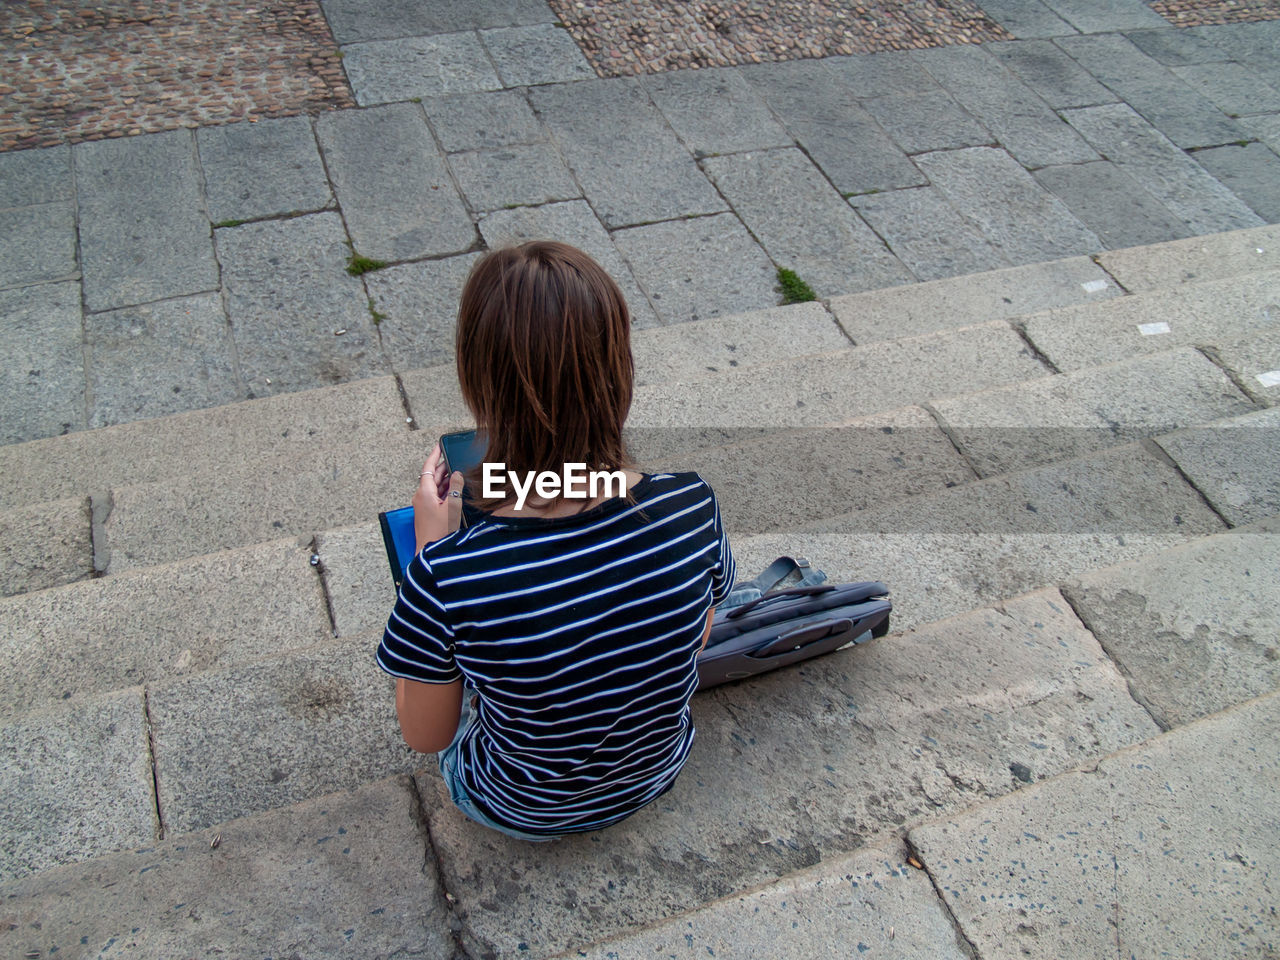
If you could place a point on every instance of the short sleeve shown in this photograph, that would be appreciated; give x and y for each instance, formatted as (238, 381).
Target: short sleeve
(418, 641)
(725, 569)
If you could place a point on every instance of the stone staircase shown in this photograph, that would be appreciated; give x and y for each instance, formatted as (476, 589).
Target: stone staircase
(1075, 512)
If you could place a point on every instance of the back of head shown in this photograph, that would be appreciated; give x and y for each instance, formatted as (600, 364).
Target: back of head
(544, 358)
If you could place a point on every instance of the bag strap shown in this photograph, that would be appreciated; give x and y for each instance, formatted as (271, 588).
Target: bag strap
(775, 573)
(737, 612)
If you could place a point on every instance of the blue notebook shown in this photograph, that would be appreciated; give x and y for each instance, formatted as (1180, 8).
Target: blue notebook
(399, 539)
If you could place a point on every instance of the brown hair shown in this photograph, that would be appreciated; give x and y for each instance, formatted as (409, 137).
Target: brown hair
(544, 360)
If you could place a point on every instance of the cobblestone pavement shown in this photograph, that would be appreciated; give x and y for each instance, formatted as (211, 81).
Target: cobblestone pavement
(76, 70)
(652, 36)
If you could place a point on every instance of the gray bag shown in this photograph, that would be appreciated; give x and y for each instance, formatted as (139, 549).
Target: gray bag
(783, 626)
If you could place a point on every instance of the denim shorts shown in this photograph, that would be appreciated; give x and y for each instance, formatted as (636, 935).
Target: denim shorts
(449, 765)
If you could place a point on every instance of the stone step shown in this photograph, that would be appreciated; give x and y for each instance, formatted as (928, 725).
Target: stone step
(1161, 265)
(1054, 418)
(973, 298)
(1194, 629)
(300, 491)
(869, 902)
(349, 876)
(1163, 849)
(205, 441)
(909, 727)
(877, 736)
(143, 626)
(1239, 318)
(961, 547)
(45, 545)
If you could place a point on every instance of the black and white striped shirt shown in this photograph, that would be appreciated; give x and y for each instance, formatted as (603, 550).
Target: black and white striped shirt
(580, 636)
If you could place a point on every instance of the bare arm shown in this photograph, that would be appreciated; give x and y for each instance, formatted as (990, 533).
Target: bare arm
(707, 632)
(428, 713)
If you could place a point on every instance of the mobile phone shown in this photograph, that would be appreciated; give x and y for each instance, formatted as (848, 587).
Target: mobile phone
(463, 450)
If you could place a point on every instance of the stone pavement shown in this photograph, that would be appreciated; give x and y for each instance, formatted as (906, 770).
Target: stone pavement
(1064, 467)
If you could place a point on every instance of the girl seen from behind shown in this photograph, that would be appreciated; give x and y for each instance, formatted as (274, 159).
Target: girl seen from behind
(548, 652)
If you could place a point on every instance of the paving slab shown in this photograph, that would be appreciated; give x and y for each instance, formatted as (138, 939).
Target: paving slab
(828, 472)
(878, 736)
(353, 20)
(42, 385)
(1027, 19)
(832, 389)
(1112, 204)
(1265, 128)
(1054, 76)
(338, 874)
(1022, 122)
(700, 267)
(715, 111)
(1164, 849)
(419, 307)
(160, 358)
(262, 169)
(1253, 44)
(1233, 87)
(75, 784)
(1072, 414)
(357, 577)
(964, 300)
(397, 199)
(927, 233)
(540, 53)
(803, 223)
(522, 175)
(841, 138)
(927, 121)
(1231, 463)
(201, 441)
(1254, 361)
(1179, 111)
(1018, 216)
(871, 901)
(1251, 172)
(653, 178)
(81, 640)
(45, 545)
(1195, 259)
(939, 575)
(1195, 314)
(480, 121)
(1167, 173)
(241, 741)
(707, 347)
(287, 296)
(1194, 629)
(389, 71)
(181, 517)
(35, 176)
(144, 233)
(885, 74)
(573, 223)
(1178, 48)
(1090, 17)
(1125, 490)
(37, 243)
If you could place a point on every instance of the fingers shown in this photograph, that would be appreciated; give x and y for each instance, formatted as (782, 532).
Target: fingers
(455, 501)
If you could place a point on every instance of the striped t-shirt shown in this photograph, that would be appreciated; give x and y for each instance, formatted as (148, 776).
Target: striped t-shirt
(579, 635)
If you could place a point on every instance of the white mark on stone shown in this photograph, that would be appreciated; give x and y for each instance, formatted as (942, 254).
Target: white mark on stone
(1270, 379)
(1152, 329)
(1093, 286)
